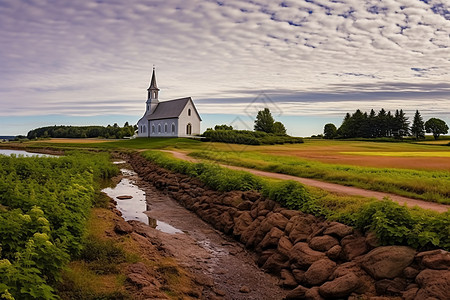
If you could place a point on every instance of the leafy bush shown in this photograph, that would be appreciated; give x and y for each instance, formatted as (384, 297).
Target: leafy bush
(396, 224)
(45, 204)
(248, 137)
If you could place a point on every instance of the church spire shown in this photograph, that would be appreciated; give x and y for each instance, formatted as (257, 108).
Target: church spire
(153, 88)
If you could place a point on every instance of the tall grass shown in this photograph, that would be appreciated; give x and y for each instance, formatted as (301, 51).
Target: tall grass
(433, 186)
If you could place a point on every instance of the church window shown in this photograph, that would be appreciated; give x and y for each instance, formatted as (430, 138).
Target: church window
(173, 128)
(189, 112)
(159, 128)
(144, 129)
(189, 129)
(153, 128)
(165, 127)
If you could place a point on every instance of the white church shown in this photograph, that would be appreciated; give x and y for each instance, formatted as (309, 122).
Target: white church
(172, 118)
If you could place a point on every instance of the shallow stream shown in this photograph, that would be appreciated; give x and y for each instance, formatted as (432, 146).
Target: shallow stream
(224, 263)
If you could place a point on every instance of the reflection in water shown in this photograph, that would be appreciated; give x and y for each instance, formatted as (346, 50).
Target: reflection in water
(135, 208)
(23, 153)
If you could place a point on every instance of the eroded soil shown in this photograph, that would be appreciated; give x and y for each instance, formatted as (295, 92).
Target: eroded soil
(222, 266)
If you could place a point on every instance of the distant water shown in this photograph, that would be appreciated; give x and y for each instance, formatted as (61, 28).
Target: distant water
(21, 152)
(7, 137)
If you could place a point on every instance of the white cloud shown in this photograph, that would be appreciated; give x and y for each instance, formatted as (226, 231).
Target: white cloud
(88, 51)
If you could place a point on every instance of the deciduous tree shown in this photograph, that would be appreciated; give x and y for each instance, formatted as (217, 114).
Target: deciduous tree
(436, 126)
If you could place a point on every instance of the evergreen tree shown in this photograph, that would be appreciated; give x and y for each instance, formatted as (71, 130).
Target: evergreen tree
(372, 124)
(278, 128)
(382, 123)
(401, 124)
(417, 128)
(264, 121)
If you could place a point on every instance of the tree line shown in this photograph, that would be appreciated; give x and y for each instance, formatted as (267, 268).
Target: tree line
(108, 132)
(384, 124)
(267, 131)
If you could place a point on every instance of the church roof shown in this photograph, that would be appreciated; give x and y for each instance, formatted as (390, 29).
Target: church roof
(170, 109)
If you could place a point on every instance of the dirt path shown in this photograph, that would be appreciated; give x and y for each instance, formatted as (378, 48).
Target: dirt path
(221, 265)
(332, 187)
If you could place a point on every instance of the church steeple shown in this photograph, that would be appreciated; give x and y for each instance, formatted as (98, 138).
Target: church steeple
(153, 88)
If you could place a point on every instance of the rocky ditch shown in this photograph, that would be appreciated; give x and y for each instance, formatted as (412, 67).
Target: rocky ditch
(314, 258)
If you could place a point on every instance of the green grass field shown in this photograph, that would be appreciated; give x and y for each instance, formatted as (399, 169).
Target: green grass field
(414, 170)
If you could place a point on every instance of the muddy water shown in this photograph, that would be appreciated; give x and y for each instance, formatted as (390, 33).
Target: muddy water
(222, 265)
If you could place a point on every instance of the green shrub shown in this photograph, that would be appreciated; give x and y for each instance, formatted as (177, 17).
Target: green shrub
(248, 137)
(46, 202)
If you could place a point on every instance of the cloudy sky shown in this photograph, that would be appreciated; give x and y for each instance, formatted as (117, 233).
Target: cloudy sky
(89, 62)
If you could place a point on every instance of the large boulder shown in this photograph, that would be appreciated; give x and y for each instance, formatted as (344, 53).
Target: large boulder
(241, 223)
(323, 243)
(338, 229)
(435, 259)
(388, 261)
(434, 284)
(284, 245)
(271, 239)
(275, 263)
(303, 256)
(122, 227)
(299, 228)
(353, 245)
(319, 272)
(274, 220)
(340, 287)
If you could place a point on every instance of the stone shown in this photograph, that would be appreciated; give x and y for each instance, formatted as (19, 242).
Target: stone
(319, 272)
(289, 213)
(274, 220)
(372, 240)
(334, 252)
(241, 223)
(122, 227)
(410, 294)
(433, 284)
(284, 245)
(338, 229)
(389, 287)
(275, 263)
(246, 205)
(439, 260)
(323, 243)
(299, 275)
(388, 261)
(250, 231)
(303, 256)
(124, 197)
(244, 289)
(287, 279)
(340, 287)
(271, 239)
(313, 294)
(353, 246)
(264, 256)
(300, 228)
(410, 272)
(297, 293)
(251, 195)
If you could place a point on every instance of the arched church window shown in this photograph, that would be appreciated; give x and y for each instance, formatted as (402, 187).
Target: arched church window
(165, 127)
(189, 129)
(153, 128)
(159, 128)
(189, 112)
(173, 128)
(144, 129)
